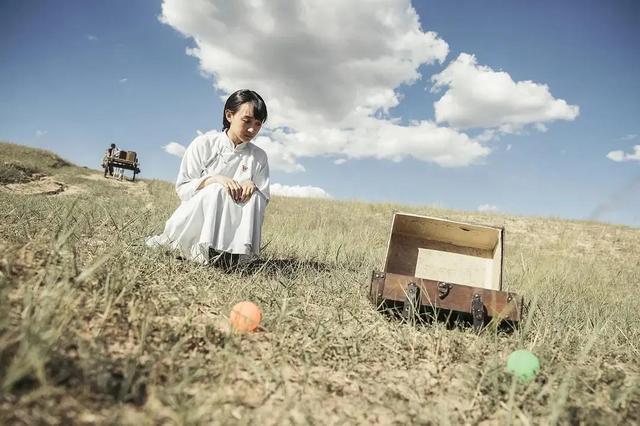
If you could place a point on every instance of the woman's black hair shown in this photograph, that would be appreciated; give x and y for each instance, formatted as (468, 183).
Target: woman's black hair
(240, 97)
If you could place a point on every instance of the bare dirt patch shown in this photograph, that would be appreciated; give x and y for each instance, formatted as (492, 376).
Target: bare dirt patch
(138, 187)
(38, 184)
(73, 190)
(44, 185)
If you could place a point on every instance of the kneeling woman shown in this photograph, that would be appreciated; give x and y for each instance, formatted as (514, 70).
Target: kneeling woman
(224, 187)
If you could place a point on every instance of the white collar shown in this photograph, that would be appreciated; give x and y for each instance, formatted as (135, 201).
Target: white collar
(234, 147)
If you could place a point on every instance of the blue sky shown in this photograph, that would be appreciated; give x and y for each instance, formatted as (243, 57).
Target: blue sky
(78, 75)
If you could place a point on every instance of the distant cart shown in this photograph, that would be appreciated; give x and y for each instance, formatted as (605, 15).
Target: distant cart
(127, 160)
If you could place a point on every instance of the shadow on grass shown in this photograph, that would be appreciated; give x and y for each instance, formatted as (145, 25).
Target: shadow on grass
(123, 380)
(287, 267)
(450, 319)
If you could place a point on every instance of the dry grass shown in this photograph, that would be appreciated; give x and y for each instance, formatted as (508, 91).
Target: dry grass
(96, 328)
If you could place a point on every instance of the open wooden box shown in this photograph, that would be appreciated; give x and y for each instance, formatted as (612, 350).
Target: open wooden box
(444, 265)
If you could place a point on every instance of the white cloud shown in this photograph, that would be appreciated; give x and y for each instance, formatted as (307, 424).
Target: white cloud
(40, 133)
(540, 127)
(279, 157)
(91, 37)
(488, 135)
(508, 147)
(382, 139)
(175, 148)
(478, 97)
(488, 208)
(340, 161)
(328, 72)
(629, 137)
(616, 156)
(123, 80)
(298, 191)
(619, 156)
(309, 58)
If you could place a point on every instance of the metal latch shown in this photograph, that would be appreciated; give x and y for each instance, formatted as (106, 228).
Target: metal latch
(411, 302)
(443, 289)
(477, 311)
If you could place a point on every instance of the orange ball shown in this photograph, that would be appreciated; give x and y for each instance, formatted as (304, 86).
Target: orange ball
(245, 316)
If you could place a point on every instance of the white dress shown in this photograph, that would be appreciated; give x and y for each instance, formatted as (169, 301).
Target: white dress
(209, 217)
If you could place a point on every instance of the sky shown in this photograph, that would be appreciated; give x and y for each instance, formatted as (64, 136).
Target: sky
(527, 108)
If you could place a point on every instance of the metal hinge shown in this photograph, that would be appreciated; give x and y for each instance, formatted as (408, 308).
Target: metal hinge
(376, 289)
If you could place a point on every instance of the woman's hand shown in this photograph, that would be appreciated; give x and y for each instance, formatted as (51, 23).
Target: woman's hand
(233, 188)
(248, 188)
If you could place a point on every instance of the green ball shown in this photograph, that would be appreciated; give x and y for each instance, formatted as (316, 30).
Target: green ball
(523, 364)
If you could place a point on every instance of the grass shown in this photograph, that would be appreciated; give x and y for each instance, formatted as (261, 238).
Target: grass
(96, 328)
(15, 173)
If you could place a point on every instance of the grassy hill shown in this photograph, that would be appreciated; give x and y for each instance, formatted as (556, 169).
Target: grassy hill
(97, 328)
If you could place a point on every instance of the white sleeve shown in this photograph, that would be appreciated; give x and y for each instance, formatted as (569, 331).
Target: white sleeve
(261, 178)
(191, 169)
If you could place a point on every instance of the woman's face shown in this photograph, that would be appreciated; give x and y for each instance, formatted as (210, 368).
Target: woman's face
(243, 125)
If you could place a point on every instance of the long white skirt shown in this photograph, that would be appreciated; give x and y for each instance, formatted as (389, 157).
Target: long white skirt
(211, 219)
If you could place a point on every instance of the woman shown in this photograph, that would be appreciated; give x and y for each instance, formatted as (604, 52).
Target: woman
(224, 187)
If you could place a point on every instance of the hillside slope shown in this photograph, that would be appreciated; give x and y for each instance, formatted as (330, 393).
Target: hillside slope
(97, 328)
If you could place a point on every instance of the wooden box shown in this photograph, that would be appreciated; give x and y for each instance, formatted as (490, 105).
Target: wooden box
(444, 266)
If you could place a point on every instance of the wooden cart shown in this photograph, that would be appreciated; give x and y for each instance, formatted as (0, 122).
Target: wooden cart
(440, 267)
(127, 160)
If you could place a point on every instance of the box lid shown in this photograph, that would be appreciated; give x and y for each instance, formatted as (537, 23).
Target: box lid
(444, 250)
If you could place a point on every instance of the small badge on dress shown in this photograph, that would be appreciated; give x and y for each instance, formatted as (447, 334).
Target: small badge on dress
(244, 167)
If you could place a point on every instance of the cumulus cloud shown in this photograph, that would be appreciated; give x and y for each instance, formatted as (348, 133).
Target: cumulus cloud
(91, 37)
(280, 158)
(488, 208)
(312, 58)
(298, 191)
(174, 148)
(123, 80)
(384, 140)
(476, 96)
(328, 72)
(619, 156)
(40, 133)
(616, 156)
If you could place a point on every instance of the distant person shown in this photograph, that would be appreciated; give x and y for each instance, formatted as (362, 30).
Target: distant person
(111, 152)
(117, 172)
(224, 187)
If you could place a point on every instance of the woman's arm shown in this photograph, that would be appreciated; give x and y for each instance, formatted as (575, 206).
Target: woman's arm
(190, 175)
(234, 188)
(261, 177)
